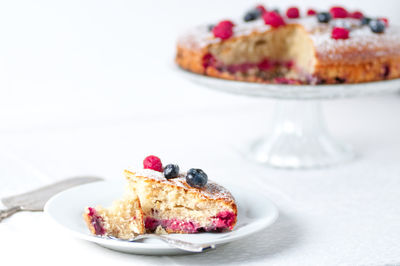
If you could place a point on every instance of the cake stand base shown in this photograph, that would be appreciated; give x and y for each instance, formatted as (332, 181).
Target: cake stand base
(299, 139)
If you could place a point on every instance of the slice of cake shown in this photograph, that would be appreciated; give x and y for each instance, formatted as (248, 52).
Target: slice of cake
(124, 219)
(161, 199)
(180, 208)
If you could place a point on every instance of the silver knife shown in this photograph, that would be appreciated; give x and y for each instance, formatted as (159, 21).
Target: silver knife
(36, 199)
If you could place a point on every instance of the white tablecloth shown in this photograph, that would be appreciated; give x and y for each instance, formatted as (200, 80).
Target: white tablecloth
(81, 93)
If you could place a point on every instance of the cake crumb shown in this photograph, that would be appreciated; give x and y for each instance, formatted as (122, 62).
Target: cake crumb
(160, 230)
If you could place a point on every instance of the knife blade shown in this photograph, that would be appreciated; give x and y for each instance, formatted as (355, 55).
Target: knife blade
(36, 199)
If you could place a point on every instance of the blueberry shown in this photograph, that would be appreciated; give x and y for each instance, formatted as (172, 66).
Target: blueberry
(196, 178)
(171, 171)
(252, 15)
(365, 21)
(210, 27)
(377, 26)
(323, 17)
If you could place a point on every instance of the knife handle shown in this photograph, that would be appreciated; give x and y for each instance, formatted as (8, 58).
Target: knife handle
(8, 212)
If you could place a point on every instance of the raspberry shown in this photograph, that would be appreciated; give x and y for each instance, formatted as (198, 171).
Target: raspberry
(226, 23)
(264, 65)
(338, 12)
(311, 12)
(152, 162)
(356, 15)
(385, 20)
(209, 60)
(340, 33)
(223, 30)
(273, 19)
(293, 12)
(262, 9)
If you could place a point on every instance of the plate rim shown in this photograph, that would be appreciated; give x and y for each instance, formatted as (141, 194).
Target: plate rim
(272, 217)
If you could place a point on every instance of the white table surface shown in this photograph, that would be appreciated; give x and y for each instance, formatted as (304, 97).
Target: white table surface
(81, 93)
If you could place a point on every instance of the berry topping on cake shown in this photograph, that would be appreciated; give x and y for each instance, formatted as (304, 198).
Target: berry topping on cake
(223, 30)
(273, 19)
(377, 26)
(258, 51)
(171, 171)
(338, 12)
(385, 20)
(210, 27)
(261, 8)
(340, 33)
(252, 15)
(293, 12)
(311, 12)
(152, 162)
(196, 178)
(356, 15)
(365, 20)
(324, 17)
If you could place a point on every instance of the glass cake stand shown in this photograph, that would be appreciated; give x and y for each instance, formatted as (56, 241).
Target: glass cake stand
(299, 138)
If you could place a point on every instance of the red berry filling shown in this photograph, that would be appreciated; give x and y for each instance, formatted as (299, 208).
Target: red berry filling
(265, 65)
(293, 12)
(222, 221)
(356, 15)
(340, 33)
(311, 12)
(273, 19)
(96, 221)
(338, 12)
(152, 162)
(209, 60)
(223, 30)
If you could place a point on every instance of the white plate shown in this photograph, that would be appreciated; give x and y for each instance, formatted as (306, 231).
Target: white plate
(255, 213)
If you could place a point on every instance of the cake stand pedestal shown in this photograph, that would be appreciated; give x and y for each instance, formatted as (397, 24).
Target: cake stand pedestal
(299, 138)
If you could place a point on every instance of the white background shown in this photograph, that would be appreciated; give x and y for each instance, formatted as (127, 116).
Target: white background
(89, 87)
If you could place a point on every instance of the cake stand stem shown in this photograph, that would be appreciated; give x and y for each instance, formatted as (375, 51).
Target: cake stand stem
(299, 138)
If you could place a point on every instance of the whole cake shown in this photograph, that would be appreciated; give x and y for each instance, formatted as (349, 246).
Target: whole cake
(164, 200)
(337, 46)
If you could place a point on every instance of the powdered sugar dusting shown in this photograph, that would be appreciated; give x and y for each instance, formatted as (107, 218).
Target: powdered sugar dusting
(211, 190)
(362, 40)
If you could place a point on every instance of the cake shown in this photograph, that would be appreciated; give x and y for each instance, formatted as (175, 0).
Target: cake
(124, 219)
(315, 48)
(165, 200)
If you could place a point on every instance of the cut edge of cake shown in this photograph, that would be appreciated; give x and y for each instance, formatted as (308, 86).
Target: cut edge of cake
(124, 219)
